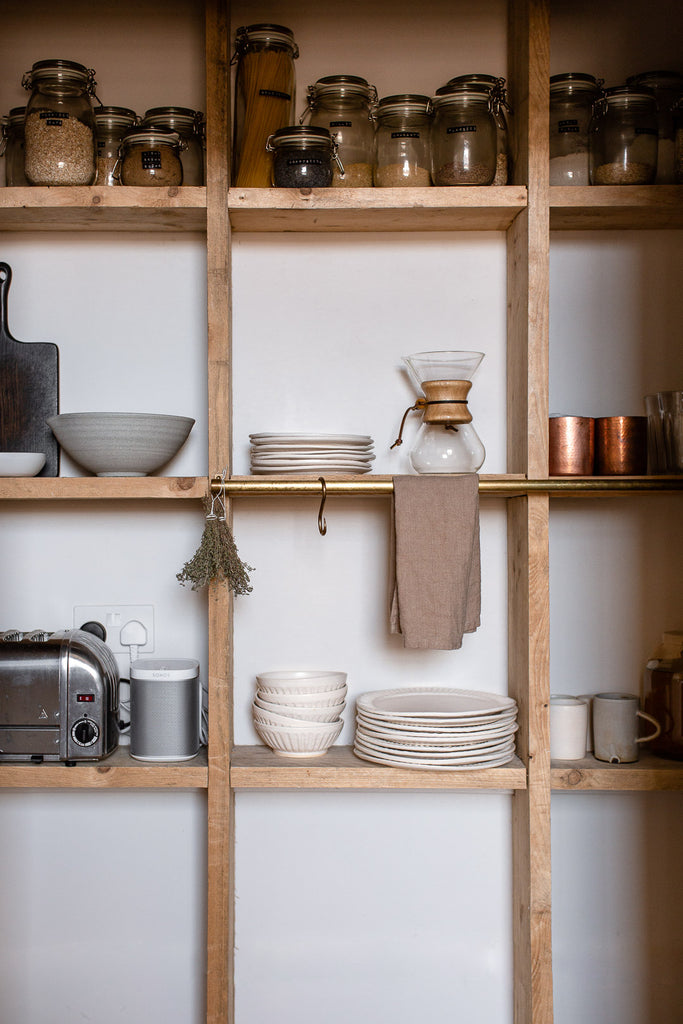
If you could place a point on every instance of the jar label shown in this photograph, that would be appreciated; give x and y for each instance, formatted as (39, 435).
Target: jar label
(151, 160)
(341, 124)
(570, 125)
(274, 92)
(405, 135)
(458, 128)
(646, 131)
(53, 117)
(309, 161)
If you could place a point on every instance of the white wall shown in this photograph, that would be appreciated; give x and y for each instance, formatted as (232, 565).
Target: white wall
(417, 920)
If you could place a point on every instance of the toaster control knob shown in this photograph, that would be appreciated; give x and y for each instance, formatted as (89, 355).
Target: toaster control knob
(85, 732)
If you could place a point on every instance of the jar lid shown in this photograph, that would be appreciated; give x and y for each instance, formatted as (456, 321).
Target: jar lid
(404, 103)
(153, 136)
(623, 94)
(16, 115)
(490, 81)
(657, 80)
(342, 85)
(574, 81)
(66, 71)
(115, 117)
(171, 116)
(302, 135)
(264, 32)
(454, 96)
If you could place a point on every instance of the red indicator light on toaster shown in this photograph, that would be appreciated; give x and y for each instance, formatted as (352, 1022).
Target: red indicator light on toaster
(85, 698)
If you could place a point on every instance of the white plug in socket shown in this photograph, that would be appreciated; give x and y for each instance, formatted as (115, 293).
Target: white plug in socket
(117, 617)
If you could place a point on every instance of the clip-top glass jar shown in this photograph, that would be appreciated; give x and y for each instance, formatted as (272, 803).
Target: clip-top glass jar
(344, 105)
(622, 139)
(495, 86)
(14, 148)
(667, 87)
(402, 141)
(59, 128)
(151, 156)
(264, 98)
(111, 124)
(303, 156)
(464, 139)
(663, 695)
(187, 123)
(572, 96)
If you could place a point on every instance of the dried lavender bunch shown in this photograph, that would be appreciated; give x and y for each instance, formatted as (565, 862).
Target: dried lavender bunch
(216, 559)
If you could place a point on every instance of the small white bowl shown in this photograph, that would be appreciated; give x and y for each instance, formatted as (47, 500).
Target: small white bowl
(300, 714)
(301, 681)
(21, 463)
(287, 721)
(307, 742)
(326, 699)
(120, 443)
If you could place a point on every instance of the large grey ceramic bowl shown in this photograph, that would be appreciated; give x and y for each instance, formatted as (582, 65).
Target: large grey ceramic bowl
(120, 443)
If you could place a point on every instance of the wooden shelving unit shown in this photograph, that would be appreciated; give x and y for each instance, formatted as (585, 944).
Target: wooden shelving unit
(526, 211)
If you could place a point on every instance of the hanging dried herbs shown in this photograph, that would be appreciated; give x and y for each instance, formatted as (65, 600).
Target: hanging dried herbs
(216, 559)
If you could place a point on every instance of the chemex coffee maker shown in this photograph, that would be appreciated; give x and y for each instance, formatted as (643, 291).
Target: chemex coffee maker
(446, 442)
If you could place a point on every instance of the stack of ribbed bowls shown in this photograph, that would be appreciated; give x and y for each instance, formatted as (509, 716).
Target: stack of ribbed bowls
(298, 713)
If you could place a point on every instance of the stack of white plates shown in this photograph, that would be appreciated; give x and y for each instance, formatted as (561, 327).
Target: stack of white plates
(311, 453)
(435, 727)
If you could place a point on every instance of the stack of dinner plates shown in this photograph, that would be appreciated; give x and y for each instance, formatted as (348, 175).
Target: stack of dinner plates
(435, 727)
(311, 453)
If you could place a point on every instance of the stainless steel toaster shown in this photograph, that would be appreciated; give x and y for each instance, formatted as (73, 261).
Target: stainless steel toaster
(59, 697)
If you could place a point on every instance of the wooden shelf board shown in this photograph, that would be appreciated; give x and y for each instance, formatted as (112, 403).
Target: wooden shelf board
(580, 207)
(117, 208)
(119, 771)
(649, 773)
(70, 488)
(258, 767)
(466, 208)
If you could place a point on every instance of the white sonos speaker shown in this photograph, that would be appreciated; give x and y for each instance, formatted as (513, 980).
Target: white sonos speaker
(165, 709)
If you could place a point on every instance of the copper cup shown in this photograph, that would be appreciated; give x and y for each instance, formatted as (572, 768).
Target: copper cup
(571, 440)
(621, 445)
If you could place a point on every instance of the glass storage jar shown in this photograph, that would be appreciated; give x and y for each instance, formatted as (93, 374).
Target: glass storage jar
(344, 105)
(667, 87)
(264, 98)
(59, 128)
(151, 156)
(501, 112)
(14, 147)
(572, 96)
(663, 695)
(188, 124)
(302, 157)
(622, 138)
(402, 141)
(111, 124)
(463, 139)
(678, 136)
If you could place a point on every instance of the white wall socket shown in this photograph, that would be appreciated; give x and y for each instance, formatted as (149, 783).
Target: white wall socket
(114, 617)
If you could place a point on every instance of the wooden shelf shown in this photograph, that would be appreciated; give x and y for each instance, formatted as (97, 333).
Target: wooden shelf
(119, 208)
(465, 208)
(577, 207)
(259, 767)
(649, 773)
(119, 771)
(70, 488)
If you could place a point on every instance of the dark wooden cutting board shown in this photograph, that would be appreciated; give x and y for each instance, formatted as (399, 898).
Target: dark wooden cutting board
(29, 390)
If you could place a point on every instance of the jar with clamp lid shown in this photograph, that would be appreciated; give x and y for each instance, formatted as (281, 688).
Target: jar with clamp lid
(188, 124)
(572, 96)
(622, 138)
(14, 147)
(667, 87)
(495, 86)
(402, 141)
(344, 105)
(150, 156)
(464, 139)
(111, 124)
(59, 128)
(303, 156)
(264, 98)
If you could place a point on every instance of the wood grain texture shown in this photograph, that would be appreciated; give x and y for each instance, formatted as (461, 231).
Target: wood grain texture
(120, 771)
(622, 207)
(89, 208)
(648, 773)
(93, 488)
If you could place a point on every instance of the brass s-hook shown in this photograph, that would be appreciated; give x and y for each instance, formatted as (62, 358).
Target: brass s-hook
(322, 525)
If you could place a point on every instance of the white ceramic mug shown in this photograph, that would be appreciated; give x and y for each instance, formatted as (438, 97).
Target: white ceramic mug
(615, 727)
(568, 725)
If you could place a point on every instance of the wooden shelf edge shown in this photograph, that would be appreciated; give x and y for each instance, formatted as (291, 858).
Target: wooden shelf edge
(376, 209)
(648, 774)
(94, 488)
(93, 208)
(616, 207)
(119, 771)
(258, 767)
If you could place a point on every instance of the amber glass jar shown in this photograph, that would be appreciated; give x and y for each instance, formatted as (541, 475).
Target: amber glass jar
(59, 128)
